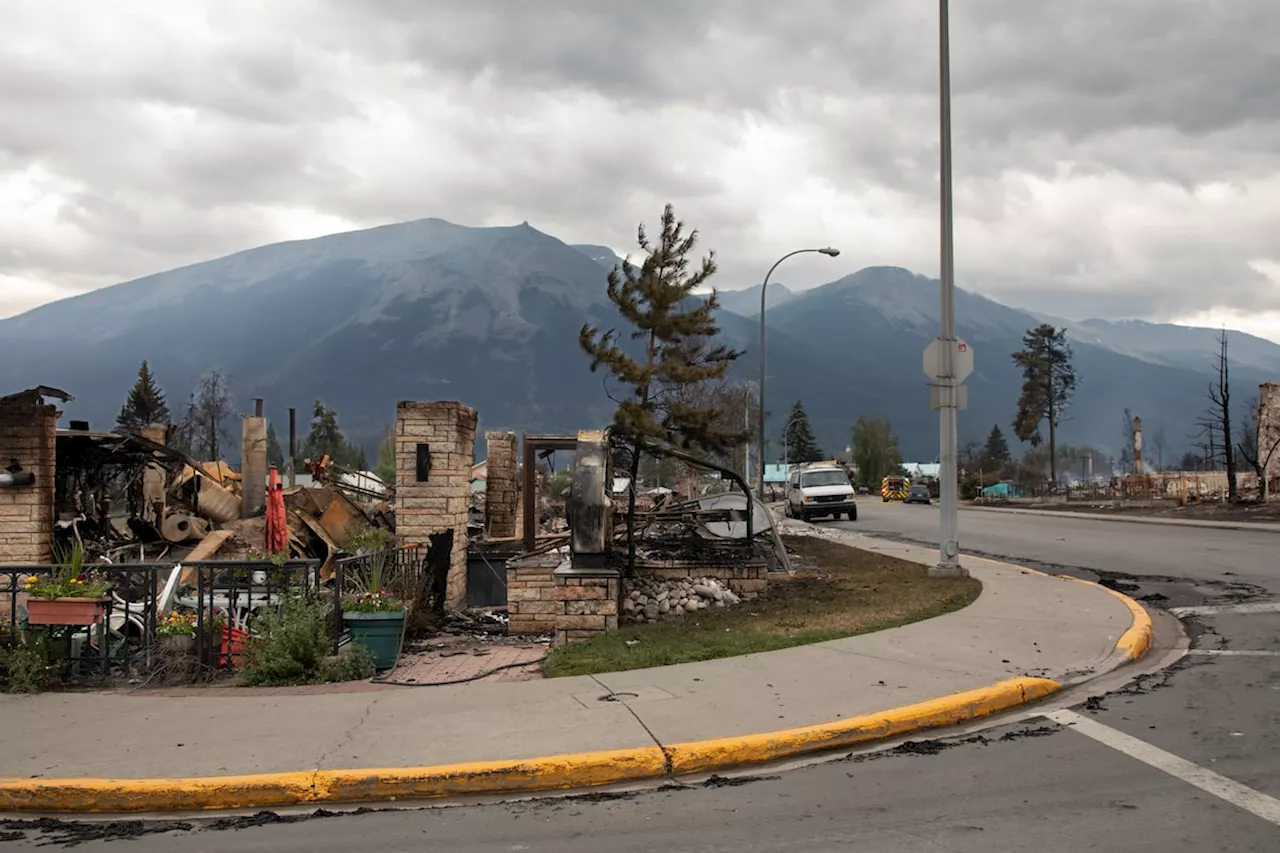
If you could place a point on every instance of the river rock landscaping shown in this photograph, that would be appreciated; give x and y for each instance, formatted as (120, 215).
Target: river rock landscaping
(651, 600)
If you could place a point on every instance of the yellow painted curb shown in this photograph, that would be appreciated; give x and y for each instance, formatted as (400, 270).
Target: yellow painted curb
(706, 755)
(582, 770)
(558, 772)
(1134, 642)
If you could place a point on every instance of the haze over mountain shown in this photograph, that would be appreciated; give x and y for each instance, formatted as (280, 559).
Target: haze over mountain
(490, 316)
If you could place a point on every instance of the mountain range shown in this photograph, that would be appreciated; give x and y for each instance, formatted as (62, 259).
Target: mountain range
(490, 316)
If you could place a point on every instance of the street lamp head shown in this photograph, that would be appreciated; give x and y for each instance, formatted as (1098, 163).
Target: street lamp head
(830, 252)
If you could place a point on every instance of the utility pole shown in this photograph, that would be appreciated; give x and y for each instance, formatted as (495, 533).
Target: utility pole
(949, 540)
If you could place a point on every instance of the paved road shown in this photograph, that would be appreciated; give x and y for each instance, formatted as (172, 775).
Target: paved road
(1113, 548)
(1184, 760)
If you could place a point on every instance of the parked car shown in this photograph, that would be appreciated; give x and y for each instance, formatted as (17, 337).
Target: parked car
(821, 491)
(919, 494)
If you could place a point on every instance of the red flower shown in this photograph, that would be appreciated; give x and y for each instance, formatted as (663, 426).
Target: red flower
(80, 577)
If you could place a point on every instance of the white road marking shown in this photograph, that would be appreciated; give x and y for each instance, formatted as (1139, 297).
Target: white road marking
(1265, 807)
(1217, 609)
(1259, 653)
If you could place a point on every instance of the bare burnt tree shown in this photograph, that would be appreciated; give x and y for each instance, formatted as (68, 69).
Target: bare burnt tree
(1215, 422)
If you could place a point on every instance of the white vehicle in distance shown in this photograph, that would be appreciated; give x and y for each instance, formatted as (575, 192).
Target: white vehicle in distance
(821, 490)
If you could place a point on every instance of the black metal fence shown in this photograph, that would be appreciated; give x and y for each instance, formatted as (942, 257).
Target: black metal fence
(224, 594)
(403, 572)
(128, 623)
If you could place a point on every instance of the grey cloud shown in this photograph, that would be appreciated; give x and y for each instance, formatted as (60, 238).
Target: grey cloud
(272, 106)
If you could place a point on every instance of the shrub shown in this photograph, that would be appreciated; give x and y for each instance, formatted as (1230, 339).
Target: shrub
(288, 646)
(24, 669)
(353, 663)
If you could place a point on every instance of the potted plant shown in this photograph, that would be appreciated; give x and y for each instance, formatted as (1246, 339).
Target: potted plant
(374, 616)
(68, 596)
(177, 632)
(376, 620)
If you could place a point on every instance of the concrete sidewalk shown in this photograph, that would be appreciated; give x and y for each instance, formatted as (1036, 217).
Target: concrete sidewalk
(1023, 624)
(1134, 518)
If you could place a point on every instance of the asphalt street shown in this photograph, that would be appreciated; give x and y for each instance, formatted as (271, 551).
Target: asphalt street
(1181, 760)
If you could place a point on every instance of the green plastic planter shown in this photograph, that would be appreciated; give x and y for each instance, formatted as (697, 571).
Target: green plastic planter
(378, 632)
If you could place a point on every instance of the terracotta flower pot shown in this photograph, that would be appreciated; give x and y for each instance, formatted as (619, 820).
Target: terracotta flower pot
(65, 611)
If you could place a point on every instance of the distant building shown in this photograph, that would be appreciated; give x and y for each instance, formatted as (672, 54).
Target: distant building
(922, 470)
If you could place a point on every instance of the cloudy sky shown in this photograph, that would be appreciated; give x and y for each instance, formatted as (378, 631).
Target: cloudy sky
(1115, 158)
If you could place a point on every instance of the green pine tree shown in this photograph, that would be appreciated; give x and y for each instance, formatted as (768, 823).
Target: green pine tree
(678, 348)
(798, 442)
(996, 453)
(1048, 384)
(275, 455)
(326, 439)
(385, 467)
(145, 404)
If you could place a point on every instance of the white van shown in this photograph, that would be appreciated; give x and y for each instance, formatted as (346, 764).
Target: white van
(821, 490)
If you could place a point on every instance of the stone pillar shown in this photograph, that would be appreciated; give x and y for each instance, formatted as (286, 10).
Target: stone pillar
(435, 449)
(501, 494)
(28, 438)
(1137, 446)
(253, 467)
(1269, 427)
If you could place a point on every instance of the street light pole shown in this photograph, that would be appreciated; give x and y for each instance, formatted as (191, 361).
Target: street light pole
(829, 252)
(786, 442)
(949, 541)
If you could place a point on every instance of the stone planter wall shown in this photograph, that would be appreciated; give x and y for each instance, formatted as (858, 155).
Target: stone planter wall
(546, 597)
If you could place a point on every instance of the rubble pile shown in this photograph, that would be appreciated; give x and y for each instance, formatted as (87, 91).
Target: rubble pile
(653, 599)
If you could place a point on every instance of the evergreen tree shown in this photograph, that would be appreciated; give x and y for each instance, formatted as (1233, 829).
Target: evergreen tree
(1048, 384)
(996, 453)
(275, 455)
(385, 467)
(797, 437)
(326, 439)
(145, 403)
(677, 336)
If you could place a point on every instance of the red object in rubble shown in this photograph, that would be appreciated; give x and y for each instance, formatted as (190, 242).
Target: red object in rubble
(277, 529)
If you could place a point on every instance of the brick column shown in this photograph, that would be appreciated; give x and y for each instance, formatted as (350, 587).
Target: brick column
(435, 449)
(253, 466)
(500, 500)
(27, 435)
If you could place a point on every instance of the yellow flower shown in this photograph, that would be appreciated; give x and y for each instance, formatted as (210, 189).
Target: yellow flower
(33, 579)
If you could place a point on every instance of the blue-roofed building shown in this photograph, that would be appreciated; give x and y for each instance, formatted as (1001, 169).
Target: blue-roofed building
(776, 474)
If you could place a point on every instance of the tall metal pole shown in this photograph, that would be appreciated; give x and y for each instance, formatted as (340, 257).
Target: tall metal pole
(949, 540)
(829, 252)
(746, 425)
(293, 447)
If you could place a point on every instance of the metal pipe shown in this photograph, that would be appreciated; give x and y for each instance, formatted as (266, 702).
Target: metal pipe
(764, 287)
(949, 541)
(293, 446)
(22, 478)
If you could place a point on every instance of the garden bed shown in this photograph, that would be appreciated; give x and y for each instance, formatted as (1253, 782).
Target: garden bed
(837, 591)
